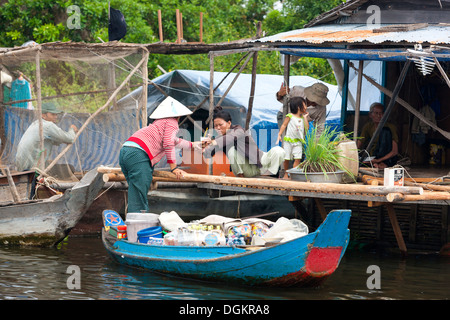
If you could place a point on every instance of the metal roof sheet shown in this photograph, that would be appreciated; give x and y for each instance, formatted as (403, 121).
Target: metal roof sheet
(361, 34)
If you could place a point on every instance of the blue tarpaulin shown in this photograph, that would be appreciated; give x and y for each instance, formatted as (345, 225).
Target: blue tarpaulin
(192, 87)
(98, 144)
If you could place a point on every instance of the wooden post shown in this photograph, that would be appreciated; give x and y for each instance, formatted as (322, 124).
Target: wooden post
(211, 103)
(286, 101)
(41, 160)
(181, 26)
(358, 100)
(160, 26)
(396, 228)
(177, 13)
(201, 27)
(252, 88)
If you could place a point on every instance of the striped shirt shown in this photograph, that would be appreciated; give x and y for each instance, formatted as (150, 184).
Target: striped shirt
(159, 139)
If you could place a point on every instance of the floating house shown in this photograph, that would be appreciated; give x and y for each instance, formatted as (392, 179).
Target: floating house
(396, 53)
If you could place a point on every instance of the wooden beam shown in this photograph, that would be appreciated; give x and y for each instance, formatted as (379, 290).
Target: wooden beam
(401, 27)
(395, 226)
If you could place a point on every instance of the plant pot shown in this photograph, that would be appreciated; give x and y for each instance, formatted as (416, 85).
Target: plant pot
(320, 177)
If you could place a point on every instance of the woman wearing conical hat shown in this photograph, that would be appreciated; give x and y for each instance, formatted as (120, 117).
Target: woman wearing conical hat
(147, 146)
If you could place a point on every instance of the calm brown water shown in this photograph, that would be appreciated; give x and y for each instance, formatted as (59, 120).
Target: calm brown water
(41, 274)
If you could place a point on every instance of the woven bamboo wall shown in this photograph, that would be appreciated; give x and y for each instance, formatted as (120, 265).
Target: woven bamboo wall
(423, 226)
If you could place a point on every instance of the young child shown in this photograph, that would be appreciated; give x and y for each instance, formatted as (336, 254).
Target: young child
(295, 124)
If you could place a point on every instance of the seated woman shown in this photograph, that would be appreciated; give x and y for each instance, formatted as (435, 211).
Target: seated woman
(245, 158)
(385, 147)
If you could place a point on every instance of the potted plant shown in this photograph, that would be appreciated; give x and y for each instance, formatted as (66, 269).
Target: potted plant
(324, 160)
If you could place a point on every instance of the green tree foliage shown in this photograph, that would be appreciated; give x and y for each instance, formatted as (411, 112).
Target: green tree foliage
(224, 20)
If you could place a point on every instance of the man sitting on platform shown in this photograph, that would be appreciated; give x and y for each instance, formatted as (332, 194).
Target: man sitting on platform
(385, 146)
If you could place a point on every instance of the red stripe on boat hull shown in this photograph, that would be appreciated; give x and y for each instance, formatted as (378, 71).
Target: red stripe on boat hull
(319, 265)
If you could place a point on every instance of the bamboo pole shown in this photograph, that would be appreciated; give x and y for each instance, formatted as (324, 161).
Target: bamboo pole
(278, 183)
(96, 113)
(221, 81)
(210, 117)
(66, 95)
(201, 27)
(181, 26)
(234, 80)
(41, 159)
(144, 115)
(177, 17)
(358, 100)
(12, 185)
(211, 102)
(252, 88)
(160, 26)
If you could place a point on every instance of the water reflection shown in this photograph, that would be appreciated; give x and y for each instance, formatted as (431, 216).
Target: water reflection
(38, 273)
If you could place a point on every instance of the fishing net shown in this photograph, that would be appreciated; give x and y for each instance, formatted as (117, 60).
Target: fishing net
(80, 80)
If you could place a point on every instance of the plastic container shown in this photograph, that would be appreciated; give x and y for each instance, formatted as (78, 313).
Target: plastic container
(394, 177)
(349, 158)
(139, 221)
(152, 232)
(121, 232)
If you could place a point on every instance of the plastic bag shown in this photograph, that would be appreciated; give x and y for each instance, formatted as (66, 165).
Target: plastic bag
(171, 221)
(286, 230)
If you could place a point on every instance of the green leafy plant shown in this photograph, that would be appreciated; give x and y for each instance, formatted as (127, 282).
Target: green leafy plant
(322, 153)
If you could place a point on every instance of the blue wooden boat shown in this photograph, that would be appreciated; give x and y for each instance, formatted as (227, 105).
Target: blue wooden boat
(305, 261)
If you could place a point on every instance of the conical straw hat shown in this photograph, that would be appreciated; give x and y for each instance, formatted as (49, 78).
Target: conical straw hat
(170, 108)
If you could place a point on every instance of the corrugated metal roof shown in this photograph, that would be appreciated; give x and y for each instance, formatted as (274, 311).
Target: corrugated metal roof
(361, 34)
